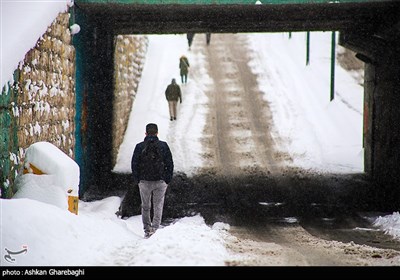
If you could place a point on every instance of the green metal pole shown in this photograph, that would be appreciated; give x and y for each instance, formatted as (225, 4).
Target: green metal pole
(308, 49)
(333, 60)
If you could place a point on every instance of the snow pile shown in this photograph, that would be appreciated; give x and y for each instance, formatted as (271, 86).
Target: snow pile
(390, 224)
(187, 242)
(40, 188)
(54, 237)
(50, 175)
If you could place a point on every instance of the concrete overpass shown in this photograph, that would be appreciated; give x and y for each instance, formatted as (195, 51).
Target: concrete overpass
(370, 28)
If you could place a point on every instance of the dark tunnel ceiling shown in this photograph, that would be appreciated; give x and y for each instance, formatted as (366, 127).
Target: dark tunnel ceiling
(167, 19)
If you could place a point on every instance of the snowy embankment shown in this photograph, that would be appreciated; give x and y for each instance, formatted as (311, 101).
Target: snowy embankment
(56, 237)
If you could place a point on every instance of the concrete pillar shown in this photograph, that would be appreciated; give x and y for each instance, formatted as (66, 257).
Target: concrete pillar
(382, 123)
(381, 54)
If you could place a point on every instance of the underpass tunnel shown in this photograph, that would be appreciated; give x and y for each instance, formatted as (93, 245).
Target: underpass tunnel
(369, 29)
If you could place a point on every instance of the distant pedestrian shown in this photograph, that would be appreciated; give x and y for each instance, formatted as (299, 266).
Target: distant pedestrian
(173, 95)
(184, 68)
(208, 38)
(152, 168)
(190, 37)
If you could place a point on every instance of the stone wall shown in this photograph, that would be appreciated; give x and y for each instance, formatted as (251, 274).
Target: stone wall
(47, 98)
(43, 102)
(129, 57)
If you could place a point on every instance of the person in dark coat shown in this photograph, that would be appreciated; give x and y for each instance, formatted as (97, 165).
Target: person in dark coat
(184, 68)
(156, 187)
(208, 38)
(173, 94)
(190, 37)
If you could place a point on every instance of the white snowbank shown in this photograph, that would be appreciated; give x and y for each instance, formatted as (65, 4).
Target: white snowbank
(51, 160)
(60, 178)
(96, 236)
(390, 224)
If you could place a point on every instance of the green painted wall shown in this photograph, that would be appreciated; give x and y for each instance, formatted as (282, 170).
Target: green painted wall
(9, 141)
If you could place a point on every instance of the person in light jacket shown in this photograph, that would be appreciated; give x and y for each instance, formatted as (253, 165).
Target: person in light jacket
(184, 68)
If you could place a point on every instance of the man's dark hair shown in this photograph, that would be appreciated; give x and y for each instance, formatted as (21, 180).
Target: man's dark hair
(151, 129)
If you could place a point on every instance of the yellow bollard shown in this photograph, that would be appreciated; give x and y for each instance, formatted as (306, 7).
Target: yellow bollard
(73, 203)
(43, 158)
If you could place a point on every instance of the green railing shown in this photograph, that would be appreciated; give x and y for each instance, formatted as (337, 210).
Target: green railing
(8, 140)
(224, 2)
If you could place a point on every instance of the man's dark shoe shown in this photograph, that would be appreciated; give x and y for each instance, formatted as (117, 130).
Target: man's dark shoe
(148, 234)
(174, 118)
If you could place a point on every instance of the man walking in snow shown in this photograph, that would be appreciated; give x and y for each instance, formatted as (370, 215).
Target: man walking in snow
(152, 168)
(173, 94)
(208, 38)
(190, 37)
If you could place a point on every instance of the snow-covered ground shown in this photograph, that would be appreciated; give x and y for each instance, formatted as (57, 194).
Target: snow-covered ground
(318, 134)
(96, 236)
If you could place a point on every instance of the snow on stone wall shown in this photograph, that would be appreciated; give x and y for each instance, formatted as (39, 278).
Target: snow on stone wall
(40, 106)
(46, 101)
(49, 175)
